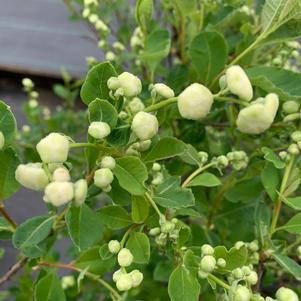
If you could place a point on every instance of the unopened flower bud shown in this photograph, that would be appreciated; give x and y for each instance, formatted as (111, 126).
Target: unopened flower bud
(114, 246)
(296, 136)
(34, 94)
(299, 250)
(118, 46)
(195, 102)
(222, 82)
(136, 105)
(80, 192)
(239, 83)
(253, 246)
(2, 140)
(290, 107)
(103, 177)
(167, 227)
(27, 83)
(125, 257)
(53, 148)
(239, 244)
(61, 174)
(221, 262)
(142, 146)
(99, 129)
(32, 176)
(154, 231)
(156, 167)
(163, 90)
(110, 56)
(137, 277)
(33, 103)
(293, 149)
(124, 283)
(158, 179)
(130, 84)
(86, 12)
(238, 273)
(59, 193)
(291, 117)
(222, 161)
(286, 294)
(145, 125)
(100, 25)
(252, 278)
(208, 263)
(207, 250)
(67, 282)
(113, 83)
(241, 293)
(108, 162)
(117, 275)
(203, 157)
(93, 18)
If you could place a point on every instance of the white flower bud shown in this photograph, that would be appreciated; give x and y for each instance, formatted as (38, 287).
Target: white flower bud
(290, 107)
(33, 103)
(100, 25)
(136, 105)
(221, 262)
(110, 56)
(32, 176)
(67, 281)
(252, 278)
(27, 83)
(80, 192)
(34, 94)
(286, 294)
(145, 125)
(238, 273)
(59, 193)
(222, 161)
(137, 277)
(53, 166)
(103, 177)
(118, 46)
(93, 18)
(53, 148)
(293, 149)
(86, 12)
(117, 275)
(99, 129)
(222, 82)
(114, 246)
(124, 283)
(208, 264)
(167, 227)
(113, 83)
(154, 231)
(291, 117)
(296, 136)
(61, 174)
(207, 250)
(242, 293)
(2, 140)
(142, 146)
(130, 84)
(195, 102)
(239, 83)
(26, 128)
(125, 257)
(156, 167)
(253, 246)
(107, 188)
(108, 162)
(239, 244)
(163, 90)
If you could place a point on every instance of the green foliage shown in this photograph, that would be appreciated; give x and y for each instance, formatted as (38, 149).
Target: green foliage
(139, 245)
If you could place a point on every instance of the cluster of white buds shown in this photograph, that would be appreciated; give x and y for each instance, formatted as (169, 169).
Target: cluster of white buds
(238, 159)
(157, 174)
(161, 91)
(136, 105)
(167, 230)
(124, 280)
(247, 10)
(293, 149)
(245, 273)
(137, 39)
(195, 102)
(259, 115)
(291, 109)
(126, 84)
(99, 130)
(58, 188)
(104, 176)
(137, 147)
(27, 84)
(2, 140)
(118, 46)
(145, 125)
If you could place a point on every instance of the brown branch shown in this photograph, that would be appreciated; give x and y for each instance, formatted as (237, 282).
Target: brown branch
(13, 270)
(7, 217)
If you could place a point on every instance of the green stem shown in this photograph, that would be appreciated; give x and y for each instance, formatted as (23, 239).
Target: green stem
(127, 233)
(277, 208)
(101, 147)
(229, 99)
(7, 217)
(152, 202)
(196, 172)
(219, 281)
(83, 144)
(161, 104)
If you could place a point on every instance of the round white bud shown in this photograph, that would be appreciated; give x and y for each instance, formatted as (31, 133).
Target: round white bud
(238, 273)
(32, 176)
(252, 278)
(253, 246)
(118, 46)
(195, 102)
(142, 146)
(163, 90)
(59, 193)
(68, 281)
(130, 84)
(156, 167)
(53, 148)
(208, 264)
(33, 103)
(86, 12)
(103, 177)
(239, 83)
(107, 188)
(113, 83)
(154, 231)
(290, 107)
(114, 246)
(296, 136)
(100, 25)
(167, 227)
(27, 83)
(241, 293)
(145, 125)
(286, 294)
(136, 105)
(80, 192)
(124, 283)
(61, 174)
(34, 94)
(137, 277)
(117, 275)
(108, 162)
(299, 250)
(125, 257)
(2, 140)
(99, 129)
(110, 56)
(207, 250)
(221, 262)
(93, 18)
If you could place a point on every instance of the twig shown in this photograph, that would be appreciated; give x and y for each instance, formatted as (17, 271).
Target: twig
(13, 270)
(7, 217)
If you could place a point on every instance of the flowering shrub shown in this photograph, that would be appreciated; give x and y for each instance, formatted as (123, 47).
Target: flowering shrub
(185, 184)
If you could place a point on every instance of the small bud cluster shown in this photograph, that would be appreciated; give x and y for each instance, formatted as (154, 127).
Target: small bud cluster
(124, 280)
(238, 159)
(137, 39)
(157, 174)
(103, 177)
(32, 95)
(293, 149)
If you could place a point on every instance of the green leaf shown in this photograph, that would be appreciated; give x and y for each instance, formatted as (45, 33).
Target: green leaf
(294, 203)
(293, 225)
(95, 84)
(166, 147)
(33, 231)
(104, 252)
(49, 288)
(114, 217)
(102, 110)
(119, 195)
(163, 270)
(140, 209)
(170, 194)
(8, 183)
(131, 174)
(139, 245)
(157, 48)
(285, 83)
(183, 286)
(271, 179)
(208, 52)
(187, 7)
(84, 226)
(206, 179)
(8, 125)
(143, 13)
(262, 216)
(288, 264)
(190, 155)
(120, 134)
(270, 156)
